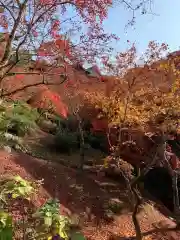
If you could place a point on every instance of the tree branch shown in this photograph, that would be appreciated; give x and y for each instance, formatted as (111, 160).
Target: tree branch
(34, 84)
(134, 215)
(9, 10)
(7, 52)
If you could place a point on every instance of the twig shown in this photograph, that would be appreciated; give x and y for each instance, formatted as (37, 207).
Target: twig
(134, 215)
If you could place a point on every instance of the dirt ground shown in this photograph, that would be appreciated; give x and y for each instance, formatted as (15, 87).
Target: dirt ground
(85, 195)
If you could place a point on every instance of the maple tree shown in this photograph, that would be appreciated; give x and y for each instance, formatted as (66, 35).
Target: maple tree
(135, 98)
(138, 100)
(29, 24)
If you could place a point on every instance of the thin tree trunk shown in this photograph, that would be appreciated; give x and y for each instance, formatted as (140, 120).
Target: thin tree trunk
(135, 202)
(82, 143)
(175, 193)
(134, 215)
(174, 176)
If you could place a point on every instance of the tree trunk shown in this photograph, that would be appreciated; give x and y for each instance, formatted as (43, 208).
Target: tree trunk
(175, 193)
(134, 215)
(135, 202)
(82, 143)
(173, 174)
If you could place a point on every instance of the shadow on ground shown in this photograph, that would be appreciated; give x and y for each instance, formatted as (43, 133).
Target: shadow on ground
(156, 234)
(78, 192)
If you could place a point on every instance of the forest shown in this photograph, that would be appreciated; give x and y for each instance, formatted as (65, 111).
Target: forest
(89, 135)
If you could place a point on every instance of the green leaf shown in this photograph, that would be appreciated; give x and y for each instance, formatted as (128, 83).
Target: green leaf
(4, 218)
(19, 179)
(22, 191)
(48, 214)
(6, 234)
(63, 234)
(15, 195)
(48, 221)
(77, 236)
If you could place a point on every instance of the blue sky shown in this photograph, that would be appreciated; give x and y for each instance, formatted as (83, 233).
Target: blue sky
(163, 27)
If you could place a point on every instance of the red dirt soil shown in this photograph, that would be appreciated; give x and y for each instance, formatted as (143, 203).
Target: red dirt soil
(81, 194)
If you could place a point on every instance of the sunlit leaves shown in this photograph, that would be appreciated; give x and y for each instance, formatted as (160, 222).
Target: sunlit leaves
(94, 8)
(16, 187)
(54, 222)
(132, 99)
(48, 222)
(171, 68)
(40, 21)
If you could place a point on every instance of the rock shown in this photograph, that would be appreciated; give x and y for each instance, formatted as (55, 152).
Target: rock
(115, 201)
(166, 223)
(7, 149)
(48, 126)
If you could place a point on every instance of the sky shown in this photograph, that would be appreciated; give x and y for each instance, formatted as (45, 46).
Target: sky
(162, 26)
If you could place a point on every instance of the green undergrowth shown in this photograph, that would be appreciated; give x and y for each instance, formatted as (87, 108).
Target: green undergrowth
(45, 222)
(19, 122)
(17, 117)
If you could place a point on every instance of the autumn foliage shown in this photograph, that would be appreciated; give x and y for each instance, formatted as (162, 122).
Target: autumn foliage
(134, 99)
(44, 47)
(50, 101)
(42, 23)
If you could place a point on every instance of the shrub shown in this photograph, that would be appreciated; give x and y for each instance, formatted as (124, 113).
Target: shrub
(66, 141)
(47, 222)
(17, 118)
(15, 187)
(97, 141)
(53, 222)
(58, 120)
(70, 123)
(86, 125)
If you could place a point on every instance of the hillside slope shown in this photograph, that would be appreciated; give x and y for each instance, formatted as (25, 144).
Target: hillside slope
(85, 195)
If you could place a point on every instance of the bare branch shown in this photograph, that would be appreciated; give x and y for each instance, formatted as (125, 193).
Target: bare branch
(7, 52)
(61, 76)
(8, 9)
